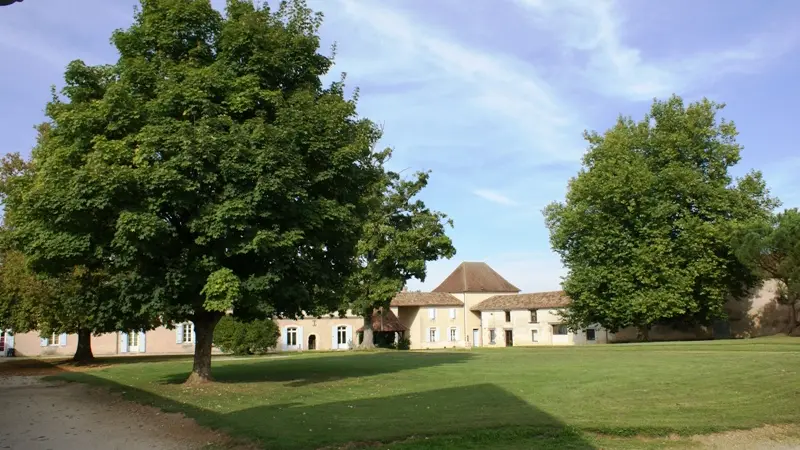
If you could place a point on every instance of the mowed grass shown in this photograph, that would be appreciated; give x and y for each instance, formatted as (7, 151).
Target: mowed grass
(604, 396)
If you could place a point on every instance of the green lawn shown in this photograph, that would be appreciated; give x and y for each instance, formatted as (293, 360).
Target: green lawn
(576, 397)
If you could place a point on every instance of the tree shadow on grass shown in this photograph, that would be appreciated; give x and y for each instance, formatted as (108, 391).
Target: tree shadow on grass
(297, 372)
(469, 417)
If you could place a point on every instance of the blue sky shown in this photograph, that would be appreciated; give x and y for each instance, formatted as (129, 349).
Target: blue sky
(492, 96)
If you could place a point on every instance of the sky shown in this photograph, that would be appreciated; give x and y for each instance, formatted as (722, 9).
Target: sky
(492, 97)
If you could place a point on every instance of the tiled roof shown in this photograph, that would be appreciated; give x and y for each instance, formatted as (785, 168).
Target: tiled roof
(554, 299)
(385, 321)
(425, 299)
(475, 277)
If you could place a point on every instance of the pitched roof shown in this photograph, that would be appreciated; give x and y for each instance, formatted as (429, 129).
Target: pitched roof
(385, 321)
(425, 299)
(475, 277)
(554, 299)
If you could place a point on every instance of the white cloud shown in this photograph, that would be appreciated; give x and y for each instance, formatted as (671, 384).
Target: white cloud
(495, 197)
(596, 28)
(500, 88)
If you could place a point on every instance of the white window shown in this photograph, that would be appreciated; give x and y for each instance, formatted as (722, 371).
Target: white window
(432, 313)
(560, 329)
(341, 335)
(492, 336)
(453, 337)
(432, 335)
(52, 340)
(534, 318)
(133, 340)
(188, 333)
(452, 313)
(291, 336)
(534, 336)
(590, 334)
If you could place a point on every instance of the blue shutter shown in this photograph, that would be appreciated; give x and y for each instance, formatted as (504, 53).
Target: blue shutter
(300, 338)
(285, 338)
(179, 334)
(62, 339)
(349, 336)
(123, 347)
(42, 342)
(142, 345)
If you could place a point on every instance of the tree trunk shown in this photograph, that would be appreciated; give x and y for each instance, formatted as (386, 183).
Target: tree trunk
(204, 324)
(644, 333)
(792, 317)
(368, 339)
(83, 354)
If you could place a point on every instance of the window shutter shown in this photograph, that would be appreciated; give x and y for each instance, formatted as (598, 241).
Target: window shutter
(123, 347)
(436, 335)
(334, 338)
(194, 336)
(62, 339)
(42, 342)
(142, 345)
(428, 335)
(431, 313)
(452, 313)
(349, 336)
(285, 339)
(458, 334)
(300, 338)
(179, 334)
(9, 341)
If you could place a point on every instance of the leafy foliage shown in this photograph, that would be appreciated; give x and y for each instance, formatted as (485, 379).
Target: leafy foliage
(208, 156)
(399, 237)
(246, 338)
(772, 250)
(645, 230)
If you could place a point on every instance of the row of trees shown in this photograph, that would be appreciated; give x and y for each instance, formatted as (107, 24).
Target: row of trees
(655, 230)
(207, 170)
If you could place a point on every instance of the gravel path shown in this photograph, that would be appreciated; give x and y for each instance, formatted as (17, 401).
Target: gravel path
(72, 416)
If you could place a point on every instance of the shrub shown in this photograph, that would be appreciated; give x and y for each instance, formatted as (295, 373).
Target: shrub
(245, 338)
(403, 344)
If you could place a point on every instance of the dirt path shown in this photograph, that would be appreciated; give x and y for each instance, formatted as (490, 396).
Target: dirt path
(72, 416)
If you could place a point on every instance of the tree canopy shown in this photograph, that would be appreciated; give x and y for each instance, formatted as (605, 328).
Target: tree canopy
(645, 231)
(399, 237)
(772, 250)
(209, 169)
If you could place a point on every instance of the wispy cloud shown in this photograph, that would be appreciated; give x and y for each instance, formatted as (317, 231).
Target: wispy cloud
(494, 197)
(614, 67)
(508, 88)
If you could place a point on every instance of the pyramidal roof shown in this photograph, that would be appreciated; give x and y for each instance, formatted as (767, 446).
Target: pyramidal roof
(475, 277)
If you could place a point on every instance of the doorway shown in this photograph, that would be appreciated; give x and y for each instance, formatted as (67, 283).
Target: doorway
(476, 336)
(509, 338)
(312, 342)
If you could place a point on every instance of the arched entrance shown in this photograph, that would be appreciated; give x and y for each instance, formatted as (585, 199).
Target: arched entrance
(312, 342)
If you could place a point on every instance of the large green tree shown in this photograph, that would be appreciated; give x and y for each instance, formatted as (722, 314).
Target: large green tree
(772, 250)
(209, 168)
(399, 237)
(645, 230)
(72, 295)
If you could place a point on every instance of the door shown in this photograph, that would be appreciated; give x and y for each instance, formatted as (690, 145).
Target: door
(133, 342)
(312, 342)
(509, 338)
(476, 336)
(341, 337)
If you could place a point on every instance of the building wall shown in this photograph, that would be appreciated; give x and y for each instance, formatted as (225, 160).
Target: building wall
(323, 329)
(158, 341)
(473, 318)
(522, 329)
(446, 317)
